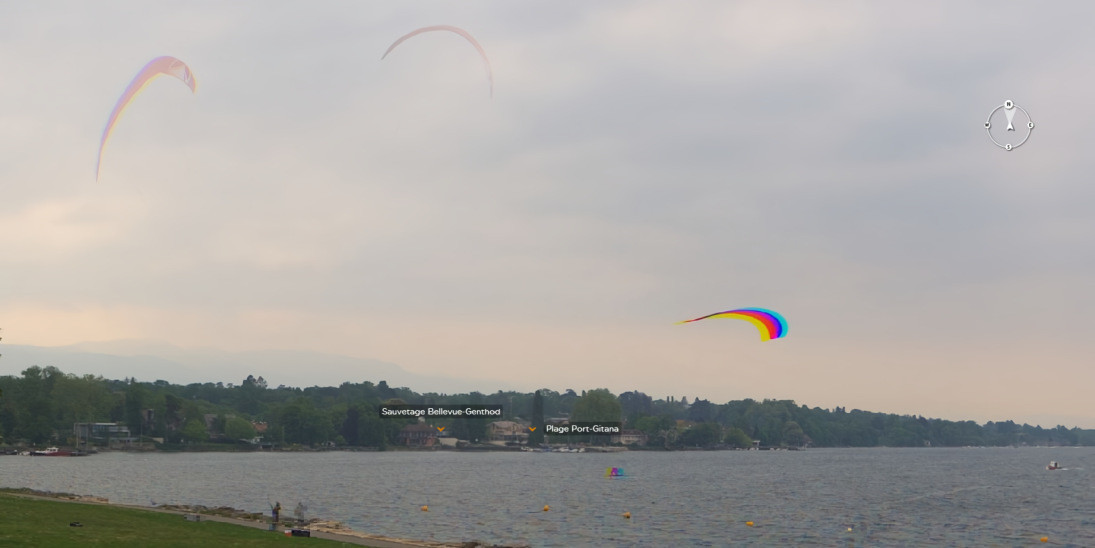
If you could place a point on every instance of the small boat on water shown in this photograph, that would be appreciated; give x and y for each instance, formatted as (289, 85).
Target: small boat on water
(1054, 465)
(55, 452)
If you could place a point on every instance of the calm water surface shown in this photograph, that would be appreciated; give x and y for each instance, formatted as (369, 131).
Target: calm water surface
(941, 497)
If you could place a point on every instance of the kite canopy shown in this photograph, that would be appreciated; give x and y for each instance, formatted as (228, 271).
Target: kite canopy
(159, 66)
(769, 322)
(457, 30)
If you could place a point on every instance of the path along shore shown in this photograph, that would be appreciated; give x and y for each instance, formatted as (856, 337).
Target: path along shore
(330, 530)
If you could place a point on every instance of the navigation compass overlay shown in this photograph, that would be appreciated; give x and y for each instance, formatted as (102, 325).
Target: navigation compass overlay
(1010, 109)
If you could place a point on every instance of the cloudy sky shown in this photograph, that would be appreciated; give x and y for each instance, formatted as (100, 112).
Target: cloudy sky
(640, 163)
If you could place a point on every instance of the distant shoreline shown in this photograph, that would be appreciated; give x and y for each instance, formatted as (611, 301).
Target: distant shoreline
(19, 450)
(224, 448)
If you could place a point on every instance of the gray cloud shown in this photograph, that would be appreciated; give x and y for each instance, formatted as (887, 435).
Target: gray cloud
(639, 163)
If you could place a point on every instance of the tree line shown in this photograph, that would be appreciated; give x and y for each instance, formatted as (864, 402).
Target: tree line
(41, 405)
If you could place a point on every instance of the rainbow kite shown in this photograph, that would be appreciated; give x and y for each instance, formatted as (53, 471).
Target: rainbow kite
(465, 34)
(614, 472)
(160, 66)
(769, 322)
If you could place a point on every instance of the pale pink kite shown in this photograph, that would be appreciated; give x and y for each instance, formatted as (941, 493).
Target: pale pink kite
(161, 65)
(457, 30)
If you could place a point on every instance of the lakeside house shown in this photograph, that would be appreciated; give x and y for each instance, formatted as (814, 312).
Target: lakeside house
(507, 431)
(418, 435)
(260, 433)
(102, 433)
(630, 437)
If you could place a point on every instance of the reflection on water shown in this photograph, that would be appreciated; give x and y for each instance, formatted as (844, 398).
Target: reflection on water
(954, 497)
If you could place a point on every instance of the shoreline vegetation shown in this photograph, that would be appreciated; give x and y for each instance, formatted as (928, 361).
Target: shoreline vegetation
(45, 407)
(40, 520)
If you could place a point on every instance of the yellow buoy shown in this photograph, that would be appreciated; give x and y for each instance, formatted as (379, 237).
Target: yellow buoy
(546, 508)
(425, 508)
(849, 529)
(1044, 539)
(749, 523)
(627, 515)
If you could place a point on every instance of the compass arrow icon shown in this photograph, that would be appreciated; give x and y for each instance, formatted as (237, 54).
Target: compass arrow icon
(1010, 113)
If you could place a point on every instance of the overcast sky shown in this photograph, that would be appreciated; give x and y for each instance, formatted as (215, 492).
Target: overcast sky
(640, 163)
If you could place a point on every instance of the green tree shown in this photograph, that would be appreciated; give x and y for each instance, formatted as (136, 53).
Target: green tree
(249, 394)
(536, 437)
(303, 423)
(237, 428)
(136, 396)
(173, 417)
(596, 406)
(351, 426)
(661, 430)
(34, 406)
(737, 439)
(704, 434)
(793, 435)
(219, 423)
(80, 399)
(372, 432)
(194, 431)
(635, 404)
(702, 411)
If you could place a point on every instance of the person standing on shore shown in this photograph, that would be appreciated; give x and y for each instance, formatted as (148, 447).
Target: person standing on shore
(277, 512)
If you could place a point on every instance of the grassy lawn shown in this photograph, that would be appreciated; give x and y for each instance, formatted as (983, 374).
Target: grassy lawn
(34, 522)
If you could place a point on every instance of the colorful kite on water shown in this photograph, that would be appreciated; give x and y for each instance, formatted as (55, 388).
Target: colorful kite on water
(769, 322)
(156, 67)
(614, 472)
(457, 30)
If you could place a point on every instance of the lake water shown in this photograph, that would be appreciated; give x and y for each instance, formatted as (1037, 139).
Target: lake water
(888, 497)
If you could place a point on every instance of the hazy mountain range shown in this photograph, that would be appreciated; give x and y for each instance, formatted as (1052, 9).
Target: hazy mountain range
(150, 361)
